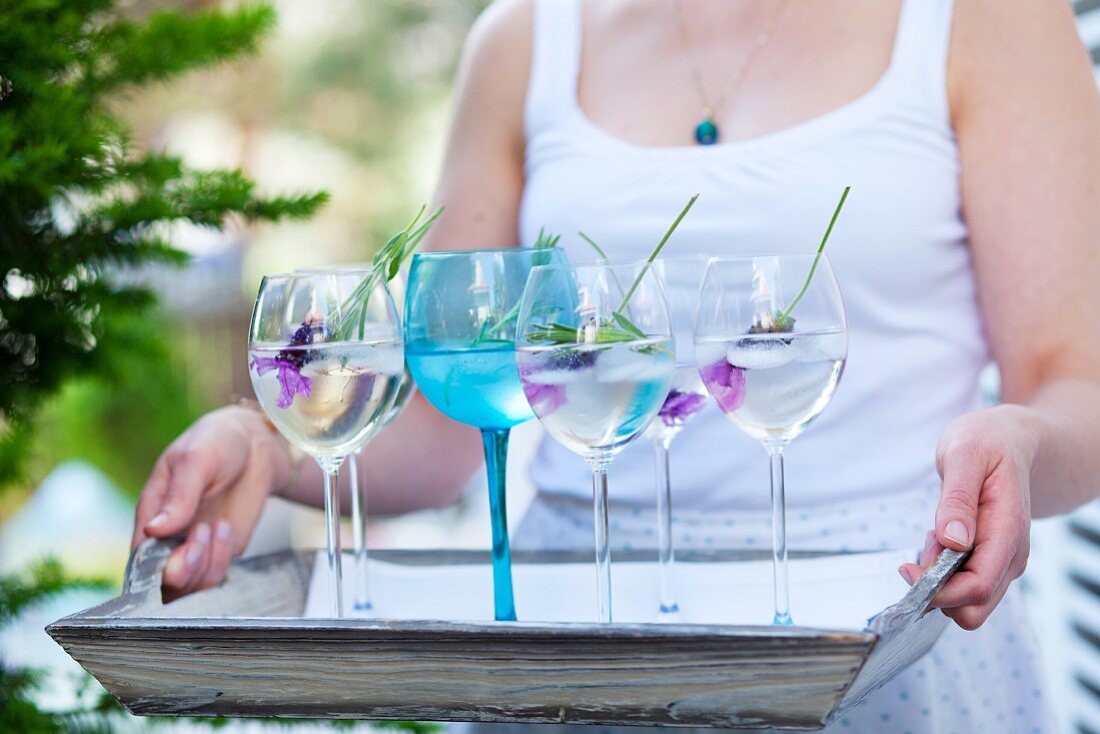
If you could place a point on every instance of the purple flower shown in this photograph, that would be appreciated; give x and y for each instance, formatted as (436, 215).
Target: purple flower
(725, 383)
(290, 362)
(544, 399)
(680, 405)
(291, 379)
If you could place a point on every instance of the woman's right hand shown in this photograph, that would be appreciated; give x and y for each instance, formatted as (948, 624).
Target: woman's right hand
(211, 483)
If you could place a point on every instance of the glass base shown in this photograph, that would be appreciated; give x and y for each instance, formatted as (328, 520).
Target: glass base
(668, 615)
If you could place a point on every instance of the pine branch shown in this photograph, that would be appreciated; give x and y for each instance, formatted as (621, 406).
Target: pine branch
(42, 580)
(169, 43)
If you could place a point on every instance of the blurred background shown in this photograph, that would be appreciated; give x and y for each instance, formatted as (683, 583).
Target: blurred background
(349, 96)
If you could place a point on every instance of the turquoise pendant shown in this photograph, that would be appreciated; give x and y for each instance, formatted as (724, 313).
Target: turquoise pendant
(706, 133)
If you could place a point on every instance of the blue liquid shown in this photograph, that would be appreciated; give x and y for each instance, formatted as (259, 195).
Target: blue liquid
(476, 386)
(479, 386)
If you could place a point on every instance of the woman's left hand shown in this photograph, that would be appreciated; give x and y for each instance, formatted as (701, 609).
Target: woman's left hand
(984, 460)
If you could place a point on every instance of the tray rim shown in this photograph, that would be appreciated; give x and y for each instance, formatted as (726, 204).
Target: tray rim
(146, 564)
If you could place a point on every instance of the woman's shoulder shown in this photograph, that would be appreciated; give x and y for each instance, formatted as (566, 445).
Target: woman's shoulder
(496, 59)
(1001, 49)
(502, 34)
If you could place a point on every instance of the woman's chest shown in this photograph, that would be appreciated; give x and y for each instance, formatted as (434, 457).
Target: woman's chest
(900, 239)
(649, 70)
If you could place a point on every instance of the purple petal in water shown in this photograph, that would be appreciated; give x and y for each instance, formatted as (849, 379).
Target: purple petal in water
(291, 379)
(725, 383)
(679, 406)
(544, 399)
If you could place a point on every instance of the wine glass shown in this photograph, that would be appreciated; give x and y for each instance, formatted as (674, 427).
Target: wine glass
(596, 358)
(771, 340)
(325, 359)
(357, 489)
(357, 486)
(460, 326)
(682, 276)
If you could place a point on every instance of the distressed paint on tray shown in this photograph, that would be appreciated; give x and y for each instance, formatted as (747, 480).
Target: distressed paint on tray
(238, 650)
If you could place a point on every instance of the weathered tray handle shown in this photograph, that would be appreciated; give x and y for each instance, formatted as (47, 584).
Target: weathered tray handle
(146, 567)
(906, 631)
(916, 602)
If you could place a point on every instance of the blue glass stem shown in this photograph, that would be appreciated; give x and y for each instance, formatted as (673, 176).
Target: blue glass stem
(779, 537)
(496, 457)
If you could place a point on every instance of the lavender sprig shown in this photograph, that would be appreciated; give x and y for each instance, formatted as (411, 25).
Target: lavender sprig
(545, 241)
(783, 321)
(620, 328)
(384, 267)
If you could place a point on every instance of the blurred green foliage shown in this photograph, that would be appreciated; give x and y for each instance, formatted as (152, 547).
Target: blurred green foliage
(78, 207)
(18, 710)
(120, 423)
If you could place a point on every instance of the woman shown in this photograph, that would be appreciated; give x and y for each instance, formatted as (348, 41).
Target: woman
(970, 134)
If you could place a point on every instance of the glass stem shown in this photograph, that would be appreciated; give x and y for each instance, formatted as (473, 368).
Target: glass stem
(603, 550)
(496, 455)
(665, 553)
(779, 537)
(358, 492)
(332, 539)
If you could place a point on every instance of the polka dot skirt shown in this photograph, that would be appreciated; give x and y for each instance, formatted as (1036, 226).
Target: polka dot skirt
(971, 682)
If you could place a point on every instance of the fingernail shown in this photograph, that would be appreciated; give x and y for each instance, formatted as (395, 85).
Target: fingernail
(202, 533)
(904, 572)
(158, 519)
(225, 530)
(957, 532)
(194, 552)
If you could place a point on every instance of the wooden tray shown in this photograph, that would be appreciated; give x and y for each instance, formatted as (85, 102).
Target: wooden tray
(239, 650)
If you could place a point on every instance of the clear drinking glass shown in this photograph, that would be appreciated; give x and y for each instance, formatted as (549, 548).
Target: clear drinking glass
(682, 276)
(326, 359)
(460, 327)
(771, 340)
(596, 358)
(357, 486)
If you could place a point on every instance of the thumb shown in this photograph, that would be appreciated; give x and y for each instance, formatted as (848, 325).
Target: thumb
(957, 513)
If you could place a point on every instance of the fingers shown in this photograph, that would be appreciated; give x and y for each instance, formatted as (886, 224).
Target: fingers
(220, 553)
(152, 496)
(964, 472)
(911, 571)
(201, 562)
(999, 557)
(189, 475)
(187, 565)
(931, 550)
(972, 617)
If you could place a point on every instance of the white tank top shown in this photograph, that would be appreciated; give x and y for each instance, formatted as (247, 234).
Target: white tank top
(899, 250)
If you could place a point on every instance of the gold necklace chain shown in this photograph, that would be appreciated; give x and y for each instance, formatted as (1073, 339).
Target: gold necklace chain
(709, 109)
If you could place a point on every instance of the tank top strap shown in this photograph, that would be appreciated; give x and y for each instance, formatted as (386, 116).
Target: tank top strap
(555, 62)
(920, 52)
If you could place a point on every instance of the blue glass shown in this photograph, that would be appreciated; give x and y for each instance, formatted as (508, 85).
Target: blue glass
(461, 309)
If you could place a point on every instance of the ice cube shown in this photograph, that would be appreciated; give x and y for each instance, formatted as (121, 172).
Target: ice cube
(551, 377)
(709, 352)
(388, 360)
(832, 345)
(761, 353)
(623, 365)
